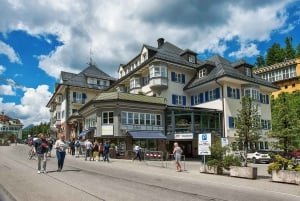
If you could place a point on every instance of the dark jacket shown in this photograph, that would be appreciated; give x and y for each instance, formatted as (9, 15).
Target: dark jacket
(41, 146)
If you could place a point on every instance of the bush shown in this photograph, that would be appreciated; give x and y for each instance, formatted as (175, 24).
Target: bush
(231, 160)
(281, 163)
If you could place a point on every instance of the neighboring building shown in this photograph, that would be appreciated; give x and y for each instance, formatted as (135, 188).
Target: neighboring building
(285, 75)
(10, 128)
(71, 93)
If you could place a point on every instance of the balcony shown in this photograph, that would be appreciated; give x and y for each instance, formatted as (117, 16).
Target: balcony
(78, 101)
(158, 83)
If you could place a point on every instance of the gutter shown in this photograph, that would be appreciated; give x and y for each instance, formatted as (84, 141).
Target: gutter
(223, 117)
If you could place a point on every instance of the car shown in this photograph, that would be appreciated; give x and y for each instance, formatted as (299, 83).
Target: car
(259, 157)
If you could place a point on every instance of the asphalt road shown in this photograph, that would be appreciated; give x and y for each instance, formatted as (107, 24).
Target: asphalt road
(122, 180)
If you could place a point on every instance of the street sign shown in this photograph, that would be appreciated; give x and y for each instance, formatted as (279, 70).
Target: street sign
(204, 144)
(224, 141)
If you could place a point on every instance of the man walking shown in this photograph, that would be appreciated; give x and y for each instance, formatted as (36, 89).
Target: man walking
(41, 150)
(88, 149)
(137, 150)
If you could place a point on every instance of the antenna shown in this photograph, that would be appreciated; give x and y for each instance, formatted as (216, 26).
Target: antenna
(91, 59)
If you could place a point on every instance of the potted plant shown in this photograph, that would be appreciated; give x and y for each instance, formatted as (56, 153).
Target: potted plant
(284, 170)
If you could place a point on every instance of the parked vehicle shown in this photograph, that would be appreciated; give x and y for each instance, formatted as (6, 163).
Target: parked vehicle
(295, 154)
(260, 156)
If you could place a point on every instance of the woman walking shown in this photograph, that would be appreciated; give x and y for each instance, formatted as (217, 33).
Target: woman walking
(177, 151)
(60, 146)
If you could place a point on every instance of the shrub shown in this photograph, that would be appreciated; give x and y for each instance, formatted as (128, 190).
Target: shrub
(281, 163)
(231, 160)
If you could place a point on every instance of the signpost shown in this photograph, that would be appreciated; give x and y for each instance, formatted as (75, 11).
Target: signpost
(204, 143)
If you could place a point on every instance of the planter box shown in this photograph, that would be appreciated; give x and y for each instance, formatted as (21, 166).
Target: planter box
(208, 169)
(244, 172)
(286, 176)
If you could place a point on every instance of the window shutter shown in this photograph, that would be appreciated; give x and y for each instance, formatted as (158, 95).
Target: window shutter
(173, 76)
(174, 99)
(84, 96)
(206, 97)
(192, 100)
(238, 93)
(229, 92)
(217, 93)
(201, 98)
(267, 98)
(261, 97)
(231, 125)
(74, 94)
(184, 100)
(183, 78)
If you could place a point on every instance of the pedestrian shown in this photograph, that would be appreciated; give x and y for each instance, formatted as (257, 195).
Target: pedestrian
(77, 148)
(177, 151)
(137, 150)
(40, 147)
(61, 146)
(106, 152)
(72, 147)
(50, 146)
(88, 149)
(95, 151)
(101, 148)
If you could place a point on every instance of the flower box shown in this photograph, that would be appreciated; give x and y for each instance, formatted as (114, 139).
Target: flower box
(286, 176)
(243, 172)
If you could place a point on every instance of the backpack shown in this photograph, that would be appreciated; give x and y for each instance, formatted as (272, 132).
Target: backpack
(77, 144)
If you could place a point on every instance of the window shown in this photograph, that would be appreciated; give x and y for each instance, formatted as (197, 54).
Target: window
(248, 72)
(178, 100)
(177, 77)
(74, 111)
(135, 118)
(192, 59)
(252, 92)
(264, 98)
(231, 121)
(202, 73)
(233, 93)
(107, 118)
(135, 83)
(79, 97)
(158, 71)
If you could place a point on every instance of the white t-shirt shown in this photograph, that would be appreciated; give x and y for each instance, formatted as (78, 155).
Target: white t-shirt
(88, 145)
(61, 145)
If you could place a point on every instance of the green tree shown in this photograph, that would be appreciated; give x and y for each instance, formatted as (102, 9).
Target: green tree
(285, 121)
(260, 61)
(275, 54)
(290, 52)
(298, 51)
(247, 125)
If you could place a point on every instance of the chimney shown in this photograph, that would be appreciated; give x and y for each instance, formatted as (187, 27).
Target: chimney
(160, 42)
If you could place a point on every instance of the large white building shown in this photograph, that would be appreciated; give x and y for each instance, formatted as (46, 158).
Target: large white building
(199, 97)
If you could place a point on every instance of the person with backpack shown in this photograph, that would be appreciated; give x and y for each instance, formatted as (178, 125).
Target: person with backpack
(77, 148)
(40, 147)
(137, 150)
(72, 147)
(106, 152)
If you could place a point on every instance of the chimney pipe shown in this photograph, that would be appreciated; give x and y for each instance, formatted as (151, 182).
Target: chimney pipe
(160, 42)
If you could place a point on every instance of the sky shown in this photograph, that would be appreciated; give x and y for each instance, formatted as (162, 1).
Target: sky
(41, 38)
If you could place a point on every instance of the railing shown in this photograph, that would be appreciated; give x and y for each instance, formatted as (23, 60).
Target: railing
(154, 156)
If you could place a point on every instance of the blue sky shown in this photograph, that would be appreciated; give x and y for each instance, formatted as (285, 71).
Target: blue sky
(39, 39)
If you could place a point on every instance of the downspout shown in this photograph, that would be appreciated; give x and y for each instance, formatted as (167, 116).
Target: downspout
(223, 116)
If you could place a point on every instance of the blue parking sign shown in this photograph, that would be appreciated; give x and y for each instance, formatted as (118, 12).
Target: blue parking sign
(204, 137)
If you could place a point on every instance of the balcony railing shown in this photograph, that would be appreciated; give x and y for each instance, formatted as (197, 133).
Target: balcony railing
(158, 82)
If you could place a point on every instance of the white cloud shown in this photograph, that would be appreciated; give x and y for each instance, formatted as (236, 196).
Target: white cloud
(9, 52)
(246, 50)
(2, 69)
(7, 90)
(32, 109)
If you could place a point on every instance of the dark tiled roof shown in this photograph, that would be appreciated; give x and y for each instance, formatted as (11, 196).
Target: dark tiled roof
(222, 68)
(80, 79)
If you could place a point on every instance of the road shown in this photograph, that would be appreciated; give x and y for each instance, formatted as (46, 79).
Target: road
(122, 180)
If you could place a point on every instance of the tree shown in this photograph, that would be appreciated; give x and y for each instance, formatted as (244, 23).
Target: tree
(298, 51)
(247, 125)
(285, 121)
(290, 53)
(260, 61)
(275, 54)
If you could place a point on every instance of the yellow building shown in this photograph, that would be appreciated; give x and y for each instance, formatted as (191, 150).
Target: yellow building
(285, 75)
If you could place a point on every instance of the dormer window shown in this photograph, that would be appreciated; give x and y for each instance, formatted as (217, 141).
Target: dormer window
(145, 56)
(248, 72)
(191, 59)
(202, 73)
